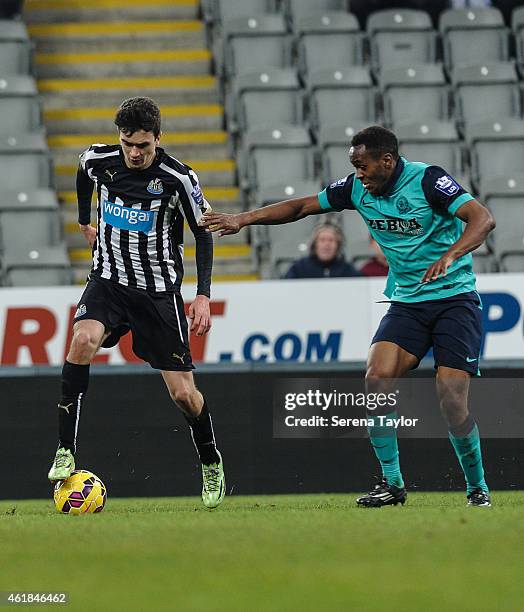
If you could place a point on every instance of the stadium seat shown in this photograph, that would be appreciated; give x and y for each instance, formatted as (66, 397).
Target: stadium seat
(278, 156)
(341, 96)
(496, 148)
(295, 10)
(512, 262)
(357, 236)
(496, 85)
(256, 44)
(328, 42)
(36, 218)
(263, 99)
(37, 267)
(399, 37)
(417, 92)
(25, 162)
(19, 102)
(334, 150)
(504, 197)
(37, 199)
(285, 243)
(15, 48)
(484, 263)
(287, 191)
(472, 36)
(517, 24)
(436, 143)
(222, 11)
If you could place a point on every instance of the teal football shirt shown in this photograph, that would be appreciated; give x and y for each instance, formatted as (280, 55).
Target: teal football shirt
(414, 222)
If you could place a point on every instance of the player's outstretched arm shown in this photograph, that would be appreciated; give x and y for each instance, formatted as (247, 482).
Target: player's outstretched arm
(479, 223)
(274, 214)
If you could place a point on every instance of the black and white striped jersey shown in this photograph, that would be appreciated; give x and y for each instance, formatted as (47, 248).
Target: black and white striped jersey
(140, 219)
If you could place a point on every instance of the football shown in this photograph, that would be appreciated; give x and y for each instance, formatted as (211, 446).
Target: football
(81, 493)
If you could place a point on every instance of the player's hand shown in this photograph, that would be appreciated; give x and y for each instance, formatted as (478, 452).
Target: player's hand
(222, 223)
(439, 268)
(89, 234)
(200, 315)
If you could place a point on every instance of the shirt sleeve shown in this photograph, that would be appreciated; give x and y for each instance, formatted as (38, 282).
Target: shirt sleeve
(442, 191)
(84, 192)
(337, 196)
(194, 205)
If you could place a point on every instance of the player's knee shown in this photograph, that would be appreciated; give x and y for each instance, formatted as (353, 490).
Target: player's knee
(84, 343)
(183, 396)
(452, 402)
(377, 373)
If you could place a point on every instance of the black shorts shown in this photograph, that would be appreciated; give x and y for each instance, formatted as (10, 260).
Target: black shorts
(452, 326)
(156, 320)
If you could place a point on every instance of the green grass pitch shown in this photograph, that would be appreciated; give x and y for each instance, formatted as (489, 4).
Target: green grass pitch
(295, 552)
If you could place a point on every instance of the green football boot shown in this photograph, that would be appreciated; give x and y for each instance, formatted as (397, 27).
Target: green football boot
(63, 465)
(213, 483)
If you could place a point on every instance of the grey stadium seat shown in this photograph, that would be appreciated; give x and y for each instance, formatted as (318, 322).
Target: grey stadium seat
(496, 85)
(415, 93)
(286, 243)
(295, 10)
(38, 267)
(517, 24)
(286, 191)
(255, 44)
(472, 36)
(25, 162)
(341, 96)
(19, 102)
(263, 99)
(328, 42)
(222, 11)
(29, 220)
(334, 150)
(399, 37)
(434, 143)
(357, 236)
(15, 48)
(505, 199)
(497, 149)
(277, 156)
(484, 263)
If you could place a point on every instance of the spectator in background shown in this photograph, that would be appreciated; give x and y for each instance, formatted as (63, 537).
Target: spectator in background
(377, 265)
(326, 256)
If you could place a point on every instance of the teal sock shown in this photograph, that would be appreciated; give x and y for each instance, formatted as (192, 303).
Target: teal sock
(384, 442)
(469, 454)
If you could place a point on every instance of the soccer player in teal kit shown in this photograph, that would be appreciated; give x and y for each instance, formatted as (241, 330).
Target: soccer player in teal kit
(415, 212)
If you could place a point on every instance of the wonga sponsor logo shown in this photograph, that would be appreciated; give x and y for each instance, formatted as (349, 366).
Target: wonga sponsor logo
(126, 218)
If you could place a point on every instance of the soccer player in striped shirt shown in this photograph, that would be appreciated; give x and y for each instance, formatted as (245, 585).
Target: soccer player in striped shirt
(143, 197)
(415, 212)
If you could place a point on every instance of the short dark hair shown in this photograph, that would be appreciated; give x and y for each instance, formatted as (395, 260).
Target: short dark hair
(378, 141)
(137, 114)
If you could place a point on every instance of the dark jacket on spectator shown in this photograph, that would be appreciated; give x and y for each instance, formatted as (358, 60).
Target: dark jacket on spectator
(312, 267)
